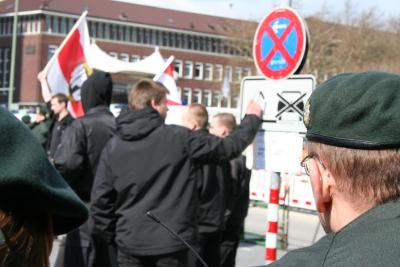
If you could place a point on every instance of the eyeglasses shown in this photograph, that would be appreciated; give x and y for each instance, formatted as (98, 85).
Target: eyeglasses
(304, 164)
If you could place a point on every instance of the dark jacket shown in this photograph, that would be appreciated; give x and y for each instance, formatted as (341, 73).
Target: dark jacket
(56, 130)
(82, 143)
(238, 202)
(151, 166)
(214, 187)
(41, 131)
(373, 239)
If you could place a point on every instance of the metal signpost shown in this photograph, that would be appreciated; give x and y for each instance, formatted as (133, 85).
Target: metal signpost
(279, 49)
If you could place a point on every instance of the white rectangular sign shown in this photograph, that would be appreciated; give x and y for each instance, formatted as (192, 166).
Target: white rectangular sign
(278, 147)
(278, 151)
(283, 100)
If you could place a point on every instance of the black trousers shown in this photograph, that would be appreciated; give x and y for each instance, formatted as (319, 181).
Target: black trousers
(208, 247)
(175, 259)
(78, 247)
(229, 244)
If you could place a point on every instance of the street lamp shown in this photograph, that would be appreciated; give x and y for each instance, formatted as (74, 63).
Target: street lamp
(13, 55)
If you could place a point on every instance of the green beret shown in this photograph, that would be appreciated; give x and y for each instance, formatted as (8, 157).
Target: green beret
(355, 110)
(29, 181)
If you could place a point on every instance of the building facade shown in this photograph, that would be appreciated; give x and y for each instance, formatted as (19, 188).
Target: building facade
(129, 32)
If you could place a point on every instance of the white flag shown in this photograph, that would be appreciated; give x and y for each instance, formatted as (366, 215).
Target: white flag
(166, 77)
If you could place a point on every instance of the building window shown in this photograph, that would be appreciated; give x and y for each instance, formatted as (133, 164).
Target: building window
(63, 26)
(178, 67)
(187, 96)
(113, 54)
(218, 73)
(238, 74)
(51, 50)
(208, 72)
(216, 100)
(133, 34)
(188, 70)
(122, 31)
(70, 24)
(197, 96)
(56, 28)
(246, 72)
(5, 66)
(164, 38)
(235, 101)
(124, 57)
(113, 32)
(185, 44)
(106, 31)
(172, 39)
(178, 37)
(135, 58)
(49, 28)
(228, 72)
(207, 98)
(198, 71)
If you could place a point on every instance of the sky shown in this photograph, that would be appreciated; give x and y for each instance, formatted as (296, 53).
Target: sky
(256, 9)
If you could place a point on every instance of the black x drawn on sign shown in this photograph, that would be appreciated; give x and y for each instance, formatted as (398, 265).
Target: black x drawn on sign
(289, 105)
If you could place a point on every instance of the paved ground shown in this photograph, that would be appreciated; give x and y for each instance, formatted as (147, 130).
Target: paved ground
(304, 230)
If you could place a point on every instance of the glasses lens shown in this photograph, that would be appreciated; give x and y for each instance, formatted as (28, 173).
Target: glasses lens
(304, 164)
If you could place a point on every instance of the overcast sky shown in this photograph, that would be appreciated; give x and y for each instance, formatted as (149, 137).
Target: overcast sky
(257, 9)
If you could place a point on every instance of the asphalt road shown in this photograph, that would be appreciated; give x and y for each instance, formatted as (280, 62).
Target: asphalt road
(304, 230)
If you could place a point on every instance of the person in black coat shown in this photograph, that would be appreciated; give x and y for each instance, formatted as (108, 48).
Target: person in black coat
(150, 166)
(213, 186)
(78, 156)
(222, 125)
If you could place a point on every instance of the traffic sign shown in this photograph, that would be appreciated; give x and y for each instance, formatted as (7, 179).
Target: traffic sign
(280, 43)
(283, 101)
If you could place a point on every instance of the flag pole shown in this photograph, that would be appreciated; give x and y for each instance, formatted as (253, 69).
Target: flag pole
(165, 66)
(64, 41)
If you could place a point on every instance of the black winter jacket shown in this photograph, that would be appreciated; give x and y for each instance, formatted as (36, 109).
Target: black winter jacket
(83, 141)
(214, 186)
(147, 166)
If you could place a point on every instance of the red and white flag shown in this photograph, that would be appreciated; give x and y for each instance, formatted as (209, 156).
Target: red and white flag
(68, 68)
(166, 77)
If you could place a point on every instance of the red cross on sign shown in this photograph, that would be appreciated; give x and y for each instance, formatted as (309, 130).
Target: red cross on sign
(280, 43)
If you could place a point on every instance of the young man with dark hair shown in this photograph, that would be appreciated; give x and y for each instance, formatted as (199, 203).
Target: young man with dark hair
(150, 166)
(58, 114)
(353, 129)
(222, 125)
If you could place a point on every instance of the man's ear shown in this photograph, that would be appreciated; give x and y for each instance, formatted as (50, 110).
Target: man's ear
(153, 103)
(322, 182)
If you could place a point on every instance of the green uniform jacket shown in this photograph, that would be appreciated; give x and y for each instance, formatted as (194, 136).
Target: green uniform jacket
(373, 239)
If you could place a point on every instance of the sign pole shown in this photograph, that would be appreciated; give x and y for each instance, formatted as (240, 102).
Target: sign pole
(273, 218)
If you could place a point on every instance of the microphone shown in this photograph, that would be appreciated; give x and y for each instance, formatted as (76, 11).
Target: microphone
(157, 220)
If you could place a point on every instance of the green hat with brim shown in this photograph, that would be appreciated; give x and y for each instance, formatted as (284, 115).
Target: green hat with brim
(356, 110)
(29, 181)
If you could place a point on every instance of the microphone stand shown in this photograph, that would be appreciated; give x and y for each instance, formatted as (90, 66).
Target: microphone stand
(157, 220)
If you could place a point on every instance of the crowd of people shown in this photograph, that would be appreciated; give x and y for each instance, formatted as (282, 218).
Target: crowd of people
(97, 178)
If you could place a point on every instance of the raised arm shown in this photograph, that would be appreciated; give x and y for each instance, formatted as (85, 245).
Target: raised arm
(46, 94)
(209, 149)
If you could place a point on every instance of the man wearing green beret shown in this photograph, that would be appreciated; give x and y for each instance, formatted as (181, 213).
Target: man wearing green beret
(35, 201)
(353, 141)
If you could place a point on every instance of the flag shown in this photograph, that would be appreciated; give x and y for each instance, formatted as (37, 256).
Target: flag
(148, 67)
(166, 77)
(226, 88)
(68, 68)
